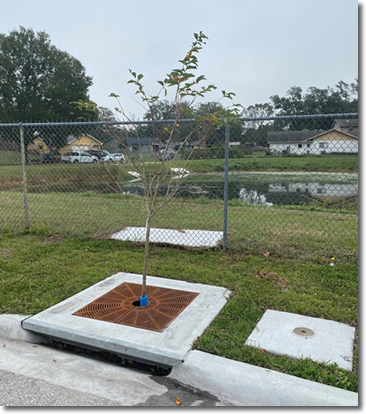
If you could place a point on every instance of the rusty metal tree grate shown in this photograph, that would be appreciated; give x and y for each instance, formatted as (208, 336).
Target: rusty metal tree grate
(119, 306)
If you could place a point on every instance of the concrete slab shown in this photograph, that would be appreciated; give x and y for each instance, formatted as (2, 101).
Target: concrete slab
(188, 238)
(166, 349)
(298, 336)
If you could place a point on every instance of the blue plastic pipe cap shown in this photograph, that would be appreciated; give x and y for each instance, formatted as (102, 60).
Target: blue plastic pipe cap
(143, 300)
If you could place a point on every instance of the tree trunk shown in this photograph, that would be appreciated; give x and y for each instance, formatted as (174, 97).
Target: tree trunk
(146, 254)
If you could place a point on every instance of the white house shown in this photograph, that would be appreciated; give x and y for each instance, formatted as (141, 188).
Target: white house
(342, 138)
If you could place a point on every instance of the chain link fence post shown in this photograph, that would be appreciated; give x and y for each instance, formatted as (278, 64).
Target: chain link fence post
(24, 175)
(226, 184)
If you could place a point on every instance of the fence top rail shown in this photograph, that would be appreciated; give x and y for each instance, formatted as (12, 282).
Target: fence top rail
(244, 119)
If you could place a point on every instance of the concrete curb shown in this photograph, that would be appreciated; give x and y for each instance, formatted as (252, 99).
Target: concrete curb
(247, 385)
(10, 328)
(224, 382)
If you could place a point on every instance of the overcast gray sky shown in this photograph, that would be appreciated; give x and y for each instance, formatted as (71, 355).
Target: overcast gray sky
(256, 48)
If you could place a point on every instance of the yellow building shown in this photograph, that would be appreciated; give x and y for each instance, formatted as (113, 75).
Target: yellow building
(38, 147)
(83, 143)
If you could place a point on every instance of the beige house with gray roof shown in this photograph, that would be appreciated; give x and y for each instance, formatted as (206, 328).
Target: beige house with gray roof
(342, 138)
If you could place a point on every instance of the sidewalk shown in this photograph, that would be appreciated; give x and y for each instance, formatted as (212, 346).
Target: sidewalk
(32, 374)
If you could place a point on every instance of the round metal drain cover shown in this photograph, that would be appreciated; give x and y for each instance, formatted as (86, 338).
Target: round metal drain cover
(304, 332)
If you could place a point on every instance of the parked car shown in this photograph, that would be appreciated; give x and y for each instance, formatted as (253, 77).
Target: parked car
(169, 154)
(78, 156)
(49, 159)
(98, 153)
(118, 157)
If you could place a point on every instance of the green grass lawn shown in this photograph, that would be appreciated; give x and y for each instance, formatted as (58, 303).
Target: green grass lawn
(40, 269)
(68, 250)
(306, 233)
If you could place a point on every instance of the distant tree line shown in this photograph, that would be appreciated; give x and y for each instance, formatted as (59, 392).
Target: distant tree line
(38, 83)
(343, 98)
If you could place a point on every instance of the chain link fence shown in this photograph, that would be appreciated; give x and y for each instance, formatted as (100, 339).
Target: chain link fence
(286, 186)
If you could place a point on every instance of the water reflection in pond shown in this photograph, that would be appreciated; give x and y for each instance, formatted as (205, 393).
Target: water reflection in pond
(258, 190)
(265, 193)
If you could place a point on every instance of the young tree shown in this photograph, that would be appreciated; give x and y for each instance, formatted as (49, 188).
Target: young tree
(164, 173)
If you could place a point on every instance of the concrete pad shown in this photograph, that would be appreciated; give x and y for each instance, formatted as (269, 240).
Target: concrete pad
(188, 238)
(166, 349)
(298, 336)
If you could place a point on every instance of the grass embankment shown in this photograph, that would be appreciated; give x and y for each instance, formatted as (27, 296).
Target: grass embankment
(306, 233)
(40, 269)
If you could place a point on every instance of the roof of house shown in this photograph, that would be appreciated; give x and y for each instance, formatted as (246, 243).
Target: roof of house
(133, 140)
(349, 126)
(293, 136)
(346, 122)
(38, 138)
(141, 141)
(302, 136)
(72, 138)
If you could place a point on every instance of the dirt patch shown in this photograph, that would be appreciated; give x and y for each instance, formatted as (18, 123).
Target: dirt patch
(277, 280)
(55, 238)
(11, 184)
(5, 252)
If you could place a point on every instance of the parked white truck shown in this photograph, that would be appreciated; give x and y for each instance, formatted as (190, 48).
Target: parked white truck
(78, 156)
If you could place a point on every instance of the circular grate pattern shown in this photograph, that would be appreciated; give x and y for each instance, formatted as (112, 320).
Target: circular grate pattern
(116, 306)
